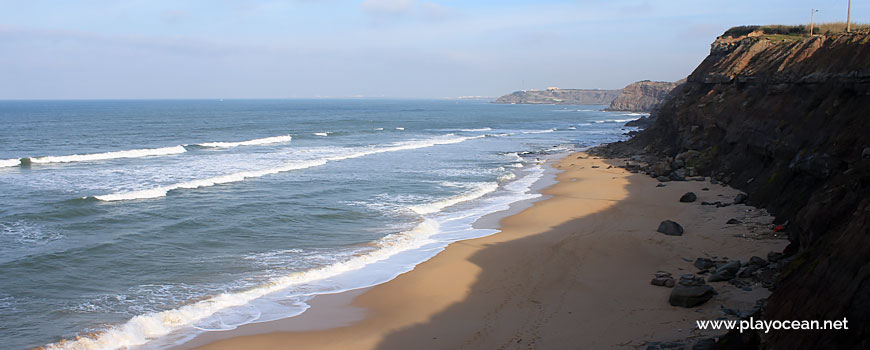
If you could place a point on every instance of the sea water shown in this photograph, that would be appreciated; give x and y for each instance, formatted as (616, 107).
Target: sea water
(140, 224)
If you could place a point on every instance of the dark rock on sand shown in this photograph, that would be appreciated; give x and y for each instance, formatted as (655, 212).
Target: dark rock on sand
(689, 197)
(690, 296)
(670, 228)
(660, 185)
(663, 179)
(725, 272)
(748, 272)
(734, 222)
(663, 282)
(774, 256)
(740, 198)
(757, 261)
(704, 263)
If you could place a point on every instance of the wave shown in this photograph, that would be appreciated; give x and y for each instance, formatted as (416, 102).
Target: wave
(538, 131)
(291, 291)
(614, 120)
(481, 129)
(144, 328)
(480, 190)
(400, 128)
(136, 153)
(162, 191)
(254, 142)
(321, 133)
(9, 162)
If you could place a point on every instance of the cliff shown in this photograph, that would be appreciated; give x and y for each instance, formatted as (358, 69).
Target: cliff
(560, 97)
(642, 96)
(786, 118)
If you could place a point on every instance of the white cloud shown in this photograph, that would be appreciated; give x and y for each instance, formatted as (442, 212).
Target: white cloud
(388, 7)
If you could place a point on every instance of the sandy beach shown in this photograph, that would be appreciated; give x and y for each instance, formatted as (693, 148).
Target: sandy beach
(571, 271)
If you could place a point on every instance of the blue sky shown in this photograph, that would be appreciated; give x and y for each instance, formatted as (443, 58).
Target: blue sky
(371, 48)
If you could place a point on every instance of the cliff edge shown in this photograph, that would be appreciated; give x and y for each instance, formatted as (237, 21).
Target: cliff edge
(642, 96)
(786, 118)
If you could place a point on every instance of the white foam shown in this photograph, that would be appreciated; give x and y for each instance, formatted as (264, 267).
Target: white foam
(322, 133)
(391, 255)
(9, 162)
(400, 128)
(615, 120)
(240, 176)
(143, 328)
(480, 190)
(254, 142)
(481, 129)
(234, 177)
(136, 153)
(379, 129)
(538, 131)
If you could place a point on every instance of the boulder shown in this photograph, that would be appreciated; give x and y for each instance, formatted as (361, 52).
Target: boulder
(678, 175)
(757, 261)
(734, 222)
(689, 197)
(670, 228)
(866, 153)
(749, 271)
(740, 198)
(690, 296)
(725, 272)
(663, 179)
(663, 282)
(774, 256)
(704, 263)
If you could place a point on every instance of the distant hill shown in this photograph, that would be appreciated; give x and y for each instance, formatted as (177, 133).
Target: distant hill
(642, 96)
(558, 96)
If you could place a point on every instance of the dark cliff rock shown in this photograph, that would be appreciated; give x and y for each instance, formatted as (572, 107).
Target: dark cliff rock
(642, 96)
(786, 120)
(560, 96)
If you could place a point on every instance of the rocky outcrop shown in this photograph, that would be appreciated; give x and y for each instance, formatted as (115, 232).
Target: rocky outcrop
(785, 119)
(560, 97)
(642, 96)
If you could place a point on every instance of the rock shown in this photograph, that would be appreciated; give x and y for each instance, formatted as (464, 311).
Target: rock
(774, 256)
(734, 222)
(722, 205)
(670, 228)
(704, 263)
(705, 189)
(866, 153)
(610, 167)
(725, 272)
(595, 167)
(663, 179)
(714, 181)
(689, 197)
(661, 274)
(690, 296)
(663, 282)
(690, 280)
(678, 175)
(740, 198)
(757, 261)
(749, 271)
(660, 185)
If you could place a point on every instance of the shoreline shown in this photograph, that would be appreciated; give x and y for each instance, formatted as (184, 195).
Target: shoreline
(567, 268)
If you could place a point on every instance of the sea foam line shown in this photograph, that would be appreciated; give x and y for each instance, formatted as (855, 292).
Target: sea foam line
(9, 162)
(480, 190)
(240, 176)
(143, 328)
(135, 153)
(254, 142)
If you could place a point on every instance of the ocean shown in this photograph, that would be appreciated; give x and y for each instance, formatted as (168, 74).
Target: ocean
(140, 224)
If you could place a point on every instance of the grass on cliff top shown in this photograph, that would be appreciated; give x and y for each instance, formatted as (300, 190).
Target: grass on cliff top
(779, 31)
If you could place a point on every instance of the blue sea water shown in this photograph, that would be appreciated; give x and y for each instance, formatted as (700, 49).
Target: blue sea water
(142, 223)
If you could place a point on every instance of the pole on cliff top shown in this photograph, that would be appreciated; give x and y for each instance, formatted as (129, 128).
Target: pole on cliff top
(812, 15)
(849, 18)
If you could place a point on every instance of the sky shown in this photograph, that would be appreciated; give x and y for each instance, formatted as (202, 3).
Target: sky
(144, 49)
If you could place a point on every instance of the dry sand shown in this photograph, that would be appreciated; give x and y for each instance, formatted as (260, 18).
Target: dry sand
(570, 272)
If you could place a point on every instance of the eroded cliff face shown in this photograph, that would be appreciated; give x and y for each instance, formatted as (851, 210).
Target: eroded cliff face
(788, 121)
(642, 96)
(561, 96)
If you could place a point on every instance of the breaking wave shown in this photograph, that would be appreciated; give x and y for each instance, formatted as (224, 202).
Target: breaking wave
(254, 142)
(136, 153)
